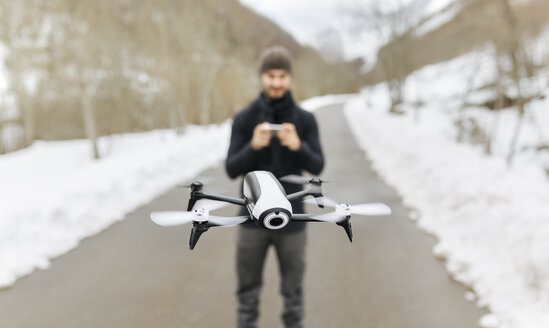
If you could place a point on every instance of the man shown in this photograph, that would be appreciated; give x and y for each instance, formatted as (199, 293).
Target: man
(291, 150)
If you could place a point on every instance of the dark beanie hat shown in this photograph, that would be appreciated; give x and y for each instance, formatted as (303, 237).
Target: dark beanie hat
(276, 57)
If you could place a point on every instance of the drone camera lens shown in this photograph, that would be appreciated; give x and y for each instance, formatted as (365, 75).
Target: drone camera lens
(276, 220)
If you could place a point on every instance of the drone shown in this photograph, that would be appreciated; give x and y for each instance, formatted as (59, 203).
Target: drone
(268, 206)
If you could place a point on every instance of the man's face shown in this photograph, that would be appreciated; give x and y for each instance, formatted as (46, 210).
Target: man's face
(276, 82)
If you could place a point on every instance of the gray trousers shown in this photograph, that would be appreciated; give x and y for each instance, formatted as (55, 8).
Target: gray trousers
(252, 250)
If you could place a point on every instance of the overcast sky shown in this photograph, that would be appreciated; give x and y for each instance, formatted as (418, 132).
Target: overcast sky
(305, 19)
(308, 21)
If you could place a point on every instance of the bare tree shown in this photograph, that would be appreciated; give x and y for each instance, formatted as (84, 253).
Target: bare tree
(393, 22)
(516, 53)
(508, 37)
(22, 31)
(513, 85)
(209, 71)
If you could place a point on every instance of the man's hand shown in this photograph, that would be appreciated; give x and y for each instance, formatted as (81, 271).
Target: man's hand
(262, 136)
(288, 137)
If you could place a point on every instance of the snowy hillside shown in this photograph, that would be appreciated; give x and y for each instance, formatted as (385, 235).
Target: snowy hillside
(491, 220)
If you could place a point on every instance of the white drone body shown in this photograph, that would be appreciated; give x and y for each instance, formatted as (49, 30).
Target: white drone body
(266, 200)
(268, 206)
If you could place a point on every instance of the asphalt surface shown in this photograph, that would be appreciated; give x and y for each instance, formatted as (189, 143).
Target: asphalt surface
(136, 274)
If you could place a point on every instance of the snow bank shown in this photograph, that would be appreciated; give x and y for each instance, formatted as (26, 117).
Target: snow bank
(53, 194)
(313, 104)
(491, 220)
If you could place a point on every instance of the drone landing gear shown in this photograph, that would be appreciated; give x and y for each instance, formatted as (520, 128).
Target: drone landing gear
(197, 231)
(346, 224)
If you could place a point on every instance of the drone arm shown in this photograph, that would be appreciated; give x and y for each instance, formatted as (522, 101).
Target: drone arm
(297, 195)
(232, 200)
(314, 191)
(304, 218)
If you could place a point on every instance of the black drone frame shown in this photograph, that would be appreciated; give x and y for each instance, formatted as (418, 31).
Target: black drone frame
(313, 189)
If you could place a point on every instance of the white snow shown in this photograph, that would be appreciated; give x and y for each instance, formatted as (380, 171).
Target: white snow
(315, 103)
(53, 195)
(491, 219)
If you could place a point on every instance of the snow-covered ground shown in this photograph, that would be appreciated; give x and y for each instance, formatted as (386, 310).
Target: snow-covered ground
(53, 194)
(491, 219)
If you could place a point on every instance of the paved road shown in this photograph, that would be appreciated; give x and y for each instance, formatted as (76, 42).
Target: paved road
(136, 274)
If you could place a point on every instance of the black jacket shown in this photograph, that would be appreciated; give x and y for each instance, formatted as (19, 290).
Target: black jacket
(276, 158)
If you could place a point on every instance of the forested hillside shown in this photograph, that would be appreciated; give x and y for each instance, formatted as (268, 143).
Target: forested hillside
(76, 69)
(474, 24)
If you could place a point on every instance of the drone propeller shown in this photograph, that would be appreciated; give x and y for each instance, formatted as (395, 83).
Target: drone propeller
(203, 184)
(322, 201)
(368, 209)
(203, 180)
(298, 179)
(174, 218)
(333, 217)
(295, 179)
(208, 204)
(371, 209)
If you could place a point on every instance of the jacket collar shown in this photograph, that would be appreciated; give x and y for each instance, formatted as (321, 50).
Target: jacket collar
(277, 110)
